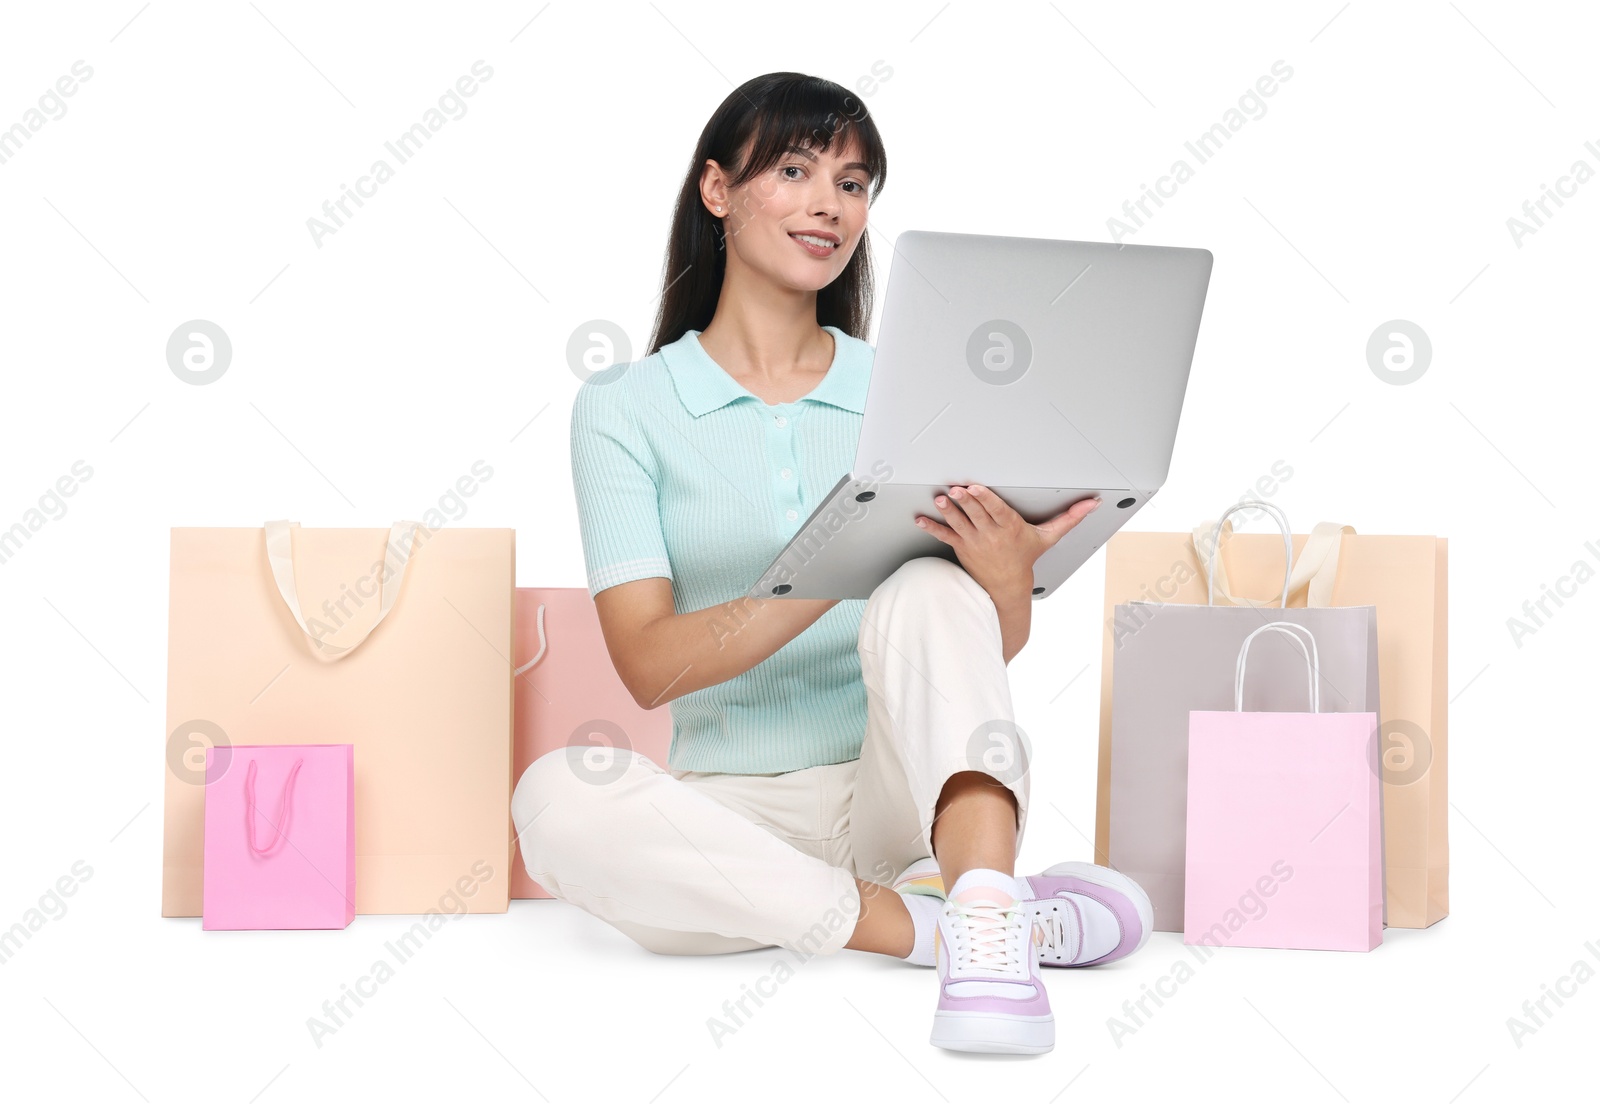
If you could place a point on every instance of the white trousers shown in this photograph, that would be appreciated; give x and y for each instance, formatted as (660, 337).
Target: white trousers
(693, 862)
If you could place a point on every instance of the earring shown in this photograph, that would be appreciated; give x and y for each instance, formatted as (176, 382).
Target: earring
(719, 207)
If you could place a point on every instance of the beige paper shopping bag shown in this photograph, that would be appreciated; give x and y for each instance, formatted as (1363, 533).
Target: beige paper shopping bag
(1405, 578)
(396, 641)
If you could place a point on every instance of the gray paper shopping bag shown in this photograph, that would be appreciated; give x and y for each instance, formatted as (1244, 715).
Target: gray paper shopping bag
(1168, 659)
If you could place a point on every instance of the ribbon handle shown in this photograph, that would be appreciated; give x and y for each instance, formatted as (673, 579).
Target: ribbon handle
(285, 810)
(280, 555)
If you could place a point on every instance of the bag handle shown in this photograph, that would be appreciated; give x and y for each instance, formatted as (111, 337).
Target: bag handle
(1315, 570)
(285, 810)
(1312, 667)
(280, 555)
(1213, 566)
(539, 621)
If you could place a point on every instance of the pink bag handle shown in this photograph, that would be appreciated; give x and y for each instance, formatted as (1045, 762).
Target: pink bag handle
(1312, 668)
(285, 810)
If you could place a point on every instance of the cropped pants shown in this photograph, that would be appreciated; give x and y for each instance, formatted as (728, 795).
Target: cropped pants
(696, 863)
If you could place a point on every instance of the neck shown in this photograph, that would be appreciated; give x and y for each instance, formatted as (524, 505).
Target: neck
(770, 334)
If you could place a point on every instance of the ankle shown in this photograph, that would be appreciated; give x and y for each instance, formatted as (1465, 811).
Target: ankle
(884, 924)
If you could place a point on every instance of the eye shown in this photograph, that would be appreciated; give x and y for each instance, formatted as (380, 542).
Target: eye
(856, 187)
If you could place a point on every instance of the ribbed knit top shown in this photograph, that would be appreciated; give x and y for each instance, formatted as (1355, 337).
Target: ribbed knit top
(681, 472)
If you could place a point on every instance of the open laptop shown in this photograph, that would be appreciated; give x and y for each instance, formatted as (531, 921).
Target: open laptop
(1048, 371)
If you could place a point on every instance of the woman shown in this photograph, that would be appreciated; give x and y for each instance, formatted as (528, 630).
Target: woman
(833, 765)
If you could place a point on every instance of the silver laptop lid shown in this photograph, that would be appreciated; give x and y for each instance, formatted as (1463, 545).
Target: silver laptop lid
(1072, 357)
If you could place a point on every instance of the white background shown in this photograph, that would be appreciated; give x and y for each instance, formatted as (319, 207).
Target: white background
(430, 332)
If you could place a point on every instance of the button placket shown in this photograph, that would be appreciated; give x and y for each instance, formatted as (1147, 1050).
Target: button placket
(788, 487)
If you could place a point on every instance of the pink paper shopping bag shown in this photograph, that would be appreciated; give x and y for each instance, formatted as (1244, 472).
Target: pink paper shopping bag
(280, 838)
(1284, 835)
(569, 694)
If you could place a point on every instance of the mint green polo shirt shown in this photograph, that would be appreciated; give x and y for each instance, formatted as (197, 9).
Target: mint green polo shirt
(681, 472)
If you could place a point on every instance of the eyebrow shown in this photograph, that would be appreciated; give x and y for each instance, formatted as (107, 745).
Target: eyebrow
(808, 154)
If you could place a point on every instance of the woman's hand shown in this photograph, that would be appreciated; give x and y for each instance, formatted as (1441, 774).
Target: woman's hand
(994, 544)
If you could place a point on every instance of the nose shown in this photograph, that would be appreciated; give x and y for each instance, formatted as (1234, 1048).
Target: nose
(826, 203)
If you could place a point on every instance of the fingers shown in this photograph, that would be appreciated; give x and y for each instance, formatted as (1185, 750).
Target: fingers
(956, 513)
(938, 530)
(981, 504)
(1061, 524)
(974, 507)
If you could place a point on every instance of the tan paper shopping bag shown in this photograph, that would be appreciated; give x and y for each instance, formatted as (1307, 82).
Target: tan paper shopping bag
(569, 694)
(1404, 577)
(397, 642)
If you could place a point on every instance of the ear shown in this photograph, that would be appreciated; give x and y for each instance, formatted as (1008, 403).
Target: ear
(714, 188)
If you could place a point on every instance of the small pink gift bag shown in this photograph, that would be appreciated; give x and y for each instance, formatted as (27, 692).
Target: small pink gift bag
(280, 838)
(1284, 833)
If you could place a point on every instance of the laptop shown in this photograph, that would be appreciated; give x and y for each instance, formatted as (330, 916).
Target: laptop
(1049, 371)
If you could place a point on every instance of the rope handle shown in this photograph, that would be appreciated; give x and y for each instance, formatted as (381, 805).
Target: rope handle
(1316, 570)
(285, 809)
(539, 621)
(1312, 667)
(1216, 543)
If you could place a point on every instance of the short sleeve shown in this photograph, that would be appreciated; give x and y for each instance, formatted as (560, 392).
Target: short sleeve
(613, 475)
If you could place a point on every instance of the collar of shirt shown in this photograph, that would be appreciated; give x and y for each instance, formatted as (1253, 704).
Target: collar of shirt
(704, 386)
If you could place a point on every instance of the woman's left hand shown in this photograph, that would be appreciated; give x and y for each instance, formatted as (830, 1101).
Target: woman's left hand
(994, 544)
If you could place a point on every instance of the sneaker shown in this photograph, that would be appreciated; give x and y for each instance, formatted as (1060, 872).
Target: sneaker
(1083, 914)
(991, 999)
(1089, 914)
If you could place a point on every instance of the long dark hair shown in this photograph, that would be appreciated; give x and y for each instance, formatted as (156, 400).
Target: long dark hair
(777, 110)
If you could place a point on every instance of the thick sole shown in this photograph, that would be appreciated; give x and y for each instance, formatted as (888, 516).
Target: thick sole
(972, 1033)
(1110, 878)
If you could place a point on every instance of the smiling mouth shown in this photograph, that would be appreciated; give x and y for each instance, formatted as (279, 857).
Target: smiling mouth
(818, 247)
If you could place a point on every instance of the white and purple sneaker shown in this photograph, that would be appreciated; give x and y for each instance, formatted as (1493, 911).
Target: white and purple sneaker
(1088, 914)
(1083, 914)
(991, 999)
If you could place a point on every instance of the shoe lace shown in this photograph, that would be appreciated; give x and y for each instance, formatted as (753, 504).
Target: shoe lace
(1050, 931)
(988, 937)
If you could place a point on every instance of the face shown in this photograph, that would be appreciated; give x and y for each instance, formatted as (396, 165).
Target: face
(824, 193)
